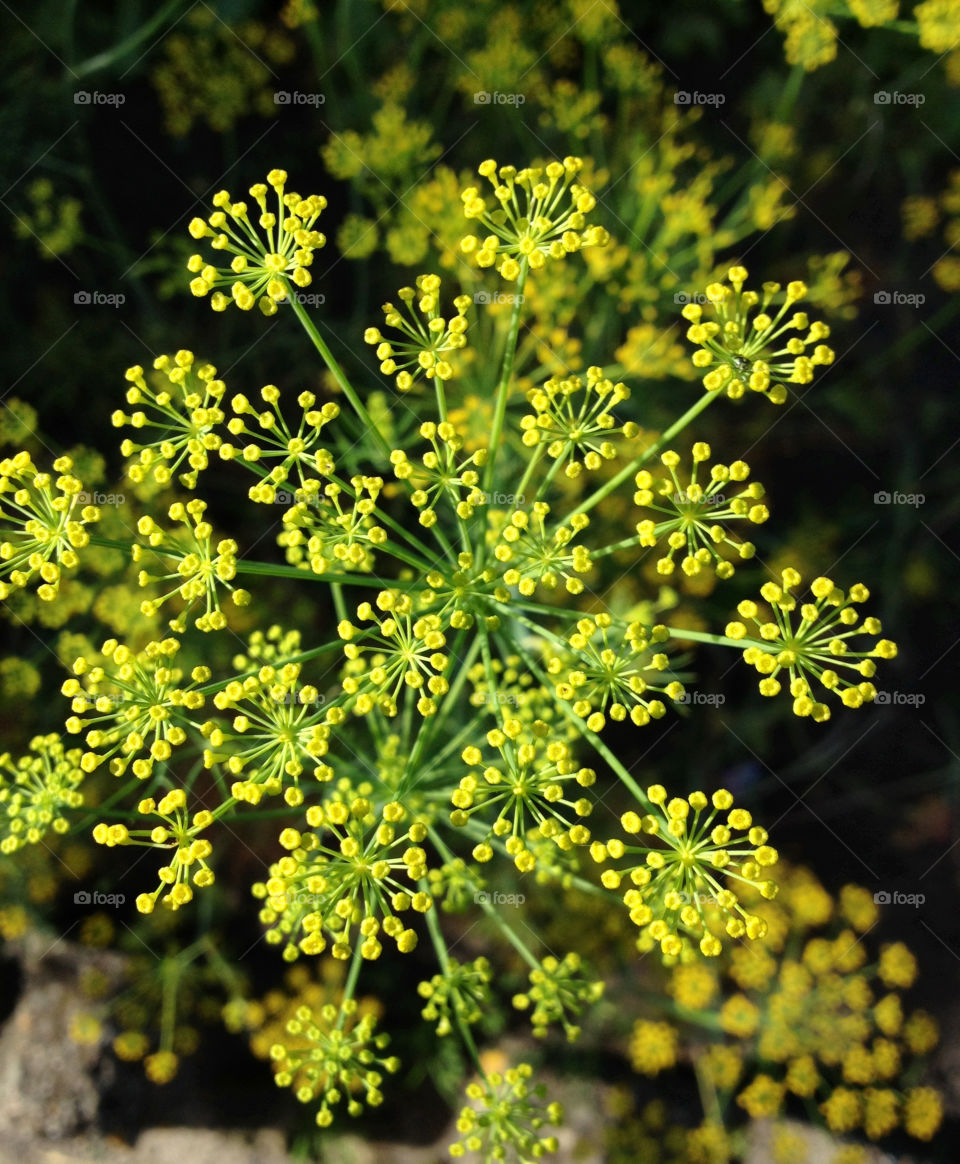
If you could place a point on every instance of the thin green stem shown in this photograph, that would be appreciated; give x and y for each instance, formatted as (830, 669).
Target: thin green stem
(506, 377)
(338, 374)
(619, 770)
(351, 984)
(276, 570)
(681, 632)
(443, 957)
(118, 51)
(638, 461)
(513, 938)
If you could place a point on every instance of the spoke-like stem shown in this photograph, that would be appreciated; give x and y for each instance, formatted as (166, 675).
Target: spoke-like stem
(682, 632)
(513, 938)
(506, 378)
(276, 570)
(338, 374)
(641, 459)
(350, 986)
(443, 957)
(619, 770)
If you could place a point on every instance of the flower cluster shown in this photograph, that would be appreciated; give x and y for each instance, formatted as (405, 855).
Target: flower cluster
(540, 214)
(43, 523)
(37, 790)
(400, 652)
(133, 703)
(459, 993)
(334, 525)
(813, 648)
(454, 718)
(506, 1115)
(675, 887)
(606, 671)
(535, 555)
(430, 339)
(265, 262)
(184, 412)
(574, 420)
(818, 1020)
(273, 440)
(697, 515)
(740, 348)
(178, 833)
(344, 877)
(199, 566)
(530, 785)
(331, 1055)
(559, 988)
(440, 477)
(276, 732)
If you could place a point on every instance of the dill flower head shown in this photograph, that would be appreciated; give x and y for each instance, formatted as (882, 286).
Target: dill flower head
(540, 214)
(814, 646)
(653, 1046)
(133, 705)
(695, 516)
(937, 24)
(573, 418)
(812, 1015)
(560, 990)
(275, 735)
(400, 653)
(675, 888)
(442, 475)
(177, 832)
(268, 438)
(43, 523)
(267, 256)
(459, 993)
(506, 1117)
(200, 568)
(610, 670)
(334, 525)
(176, 423)
(751, 351)
(532, 785)
(534, 555)
(355, 869)
(35, 790)
(431, 338)
(332, 1055)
